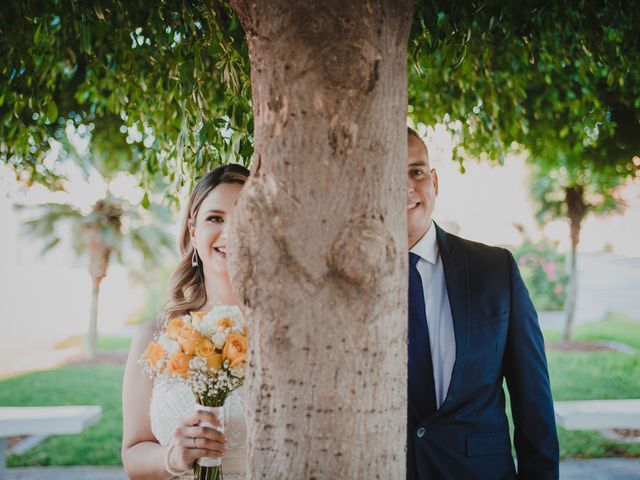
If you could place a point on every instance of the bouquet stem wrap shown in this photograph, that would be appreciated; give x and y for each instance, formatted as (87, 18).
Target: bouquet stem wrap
(208, 468)
(218, 412)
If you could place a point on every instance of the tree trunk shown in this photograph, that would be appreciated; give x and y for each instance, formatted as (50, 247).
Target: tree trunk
(576, 211)
(319, 241)
(99, 255)
(572, 296)
(91, 340)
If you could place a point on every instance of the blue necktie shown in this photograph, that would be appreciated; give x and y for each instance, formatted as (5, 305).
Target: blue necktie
(421, 387)
(422, 390)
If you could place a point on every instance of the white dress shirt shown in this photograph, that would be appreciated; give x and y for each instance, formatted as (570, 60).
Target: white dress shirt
(439, 319)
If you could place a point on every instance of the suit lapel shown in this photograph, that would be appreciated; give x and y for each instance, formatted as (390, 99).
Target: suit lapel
(456, 274)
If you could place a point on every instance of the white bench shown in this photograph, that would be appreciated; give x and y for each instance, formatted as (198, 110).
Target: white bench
(43, 421)
(602, 415)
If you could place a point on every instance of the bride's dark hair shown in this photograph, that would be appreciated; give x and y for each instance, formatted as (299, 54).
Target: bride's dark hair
(186, 286)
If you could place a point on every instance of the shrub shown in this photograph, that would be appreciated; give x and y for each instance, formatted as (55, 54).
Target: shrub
(544, 272)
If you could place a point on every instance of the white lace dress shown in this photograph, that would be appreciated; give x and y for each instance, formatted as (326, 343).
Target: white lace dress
(171, 402)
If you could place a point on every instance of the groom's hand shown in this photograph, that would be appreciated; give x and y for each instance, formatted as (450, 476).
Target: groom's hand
(194, 440)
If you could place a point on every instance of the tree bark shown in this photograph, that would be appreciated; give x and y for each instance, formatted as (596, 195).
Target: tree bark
(576, 211)
(572, 296)
(91, 340)
(99, 255)
(318, 240)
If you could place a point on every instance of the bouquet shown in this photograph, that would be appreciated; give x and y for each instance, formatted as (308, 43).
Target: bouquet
(208, 352)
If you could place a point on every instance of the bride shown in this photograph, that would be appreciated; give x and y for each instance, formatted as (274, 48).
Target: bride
(162, 436)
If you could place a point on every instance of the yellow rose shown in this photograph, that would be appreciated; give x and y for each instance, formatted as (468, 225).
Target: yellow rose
(214, 361)
(154, 354)
(174, 327)
(189, 338)
(207, 351)
(238, 361)
(235, 346)
(178, 365)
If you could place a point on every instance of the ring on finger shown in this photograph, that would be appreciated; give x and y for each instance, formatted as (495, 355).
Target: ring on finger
(195, 442)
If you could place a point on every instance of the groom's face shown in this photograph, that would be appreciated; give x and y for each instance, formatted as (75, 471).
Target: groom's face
(422, 190)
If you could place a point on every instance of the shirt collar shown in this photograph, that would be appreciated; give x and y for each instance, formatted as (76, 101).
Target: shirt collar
(427, 246)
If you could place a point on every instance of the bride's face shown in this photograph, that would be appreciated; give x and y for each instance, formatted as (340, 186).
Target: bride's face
(208, 230)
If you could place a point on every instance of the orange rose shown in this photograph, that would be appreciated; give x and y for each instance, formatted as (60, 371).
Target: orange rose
(179, 365)
(207, 351)
(238, 361)
(235, 346)
(174, 327)
(154, 354)
(205, 348)
(189, 338)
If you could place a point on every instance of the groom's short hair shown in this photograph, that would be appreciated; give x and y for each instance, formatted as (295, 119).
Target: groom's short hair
(411, 131)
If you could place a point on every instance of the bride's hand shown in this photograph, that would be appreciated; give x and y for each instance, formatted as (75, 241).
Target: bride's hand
(194, 440)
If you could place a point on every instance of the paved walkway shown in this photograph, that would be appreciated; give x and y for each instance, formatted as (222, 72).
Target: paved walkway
(600, 469)
(66, 473)
(597, 469)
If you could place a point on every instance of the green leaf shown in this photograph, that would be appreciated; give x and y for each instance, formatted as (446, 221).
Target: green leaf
(85, 38)
(50, 245)
(36, 36)
(52, 111)
(145, 201)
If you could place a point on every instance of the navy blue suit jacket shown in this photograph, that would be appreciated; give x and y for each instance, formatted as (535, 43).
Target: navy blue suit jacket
(497, 336)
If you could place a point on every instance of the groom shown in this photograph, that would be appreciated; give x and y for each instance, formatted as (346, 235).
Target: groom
(471, 324)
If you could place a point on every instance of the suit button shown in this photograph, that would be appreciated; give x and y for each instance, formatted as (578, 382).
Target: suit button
(420, 432)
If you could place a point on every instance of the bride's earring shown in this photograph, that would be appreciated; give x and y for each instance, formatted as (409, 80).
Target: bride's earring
(194, 257)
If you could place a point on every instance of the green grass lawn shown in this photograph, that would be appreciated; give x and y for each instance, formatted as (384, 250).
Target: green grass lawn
(574, 376)
(596, 376)
(72, 385)
(615, 327)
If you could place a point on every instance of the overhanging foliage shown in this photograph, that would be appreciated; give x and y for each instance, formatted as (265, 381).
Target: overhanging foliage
(173, 80)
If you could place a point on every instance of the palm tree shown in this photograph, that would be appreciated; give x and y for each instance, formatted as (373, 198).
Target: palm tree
(113, 229)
